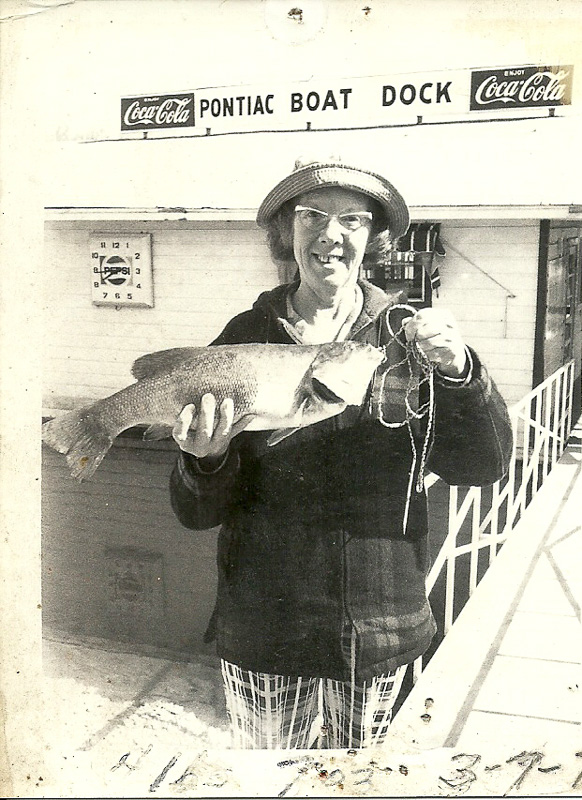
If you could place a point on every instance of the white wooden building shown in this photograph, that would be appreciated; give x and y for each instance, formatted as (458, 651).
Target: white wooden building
(507, 193)
(209, 266)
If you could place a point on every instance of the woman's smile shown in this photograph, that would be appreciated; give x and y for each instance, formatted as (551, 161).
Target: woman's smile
(328, 253)
(330, 258)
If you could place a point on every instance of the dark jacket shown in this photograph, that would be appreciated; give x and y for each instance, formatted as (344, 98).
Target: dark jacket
(325, 532)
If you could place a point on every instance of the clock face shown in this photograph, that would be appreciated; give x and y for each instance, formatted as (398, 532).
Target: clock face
(121, 269)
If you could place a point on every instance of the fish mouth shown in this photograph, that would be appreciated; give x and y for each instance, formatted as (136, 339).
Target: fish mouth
(323, 392)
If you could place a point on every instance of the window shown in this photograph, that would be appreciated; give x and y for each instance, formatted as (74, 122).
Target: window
(412, 265)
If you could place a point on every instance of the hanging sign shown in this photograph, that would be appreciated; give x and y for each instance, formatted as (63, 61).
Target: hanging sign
(521, 87)
(375, 101)
(157, 112)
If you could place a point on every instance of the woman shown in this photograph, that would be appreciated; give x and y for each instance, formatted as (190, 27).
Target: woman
(322, 554)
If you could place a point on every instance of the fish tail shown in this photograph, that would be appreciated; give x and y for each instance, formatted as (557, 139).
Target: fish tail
(82, 437)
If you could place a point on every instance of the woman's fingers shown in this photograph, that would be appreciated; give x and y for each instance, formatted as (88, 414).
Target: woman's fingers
(223, 432)
(437, 335)
(207, 433)
(181, 430)
(205, 425)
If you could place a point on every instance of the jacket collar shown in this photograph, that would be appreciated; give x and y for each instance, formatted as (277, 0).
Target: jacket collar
(274, 302)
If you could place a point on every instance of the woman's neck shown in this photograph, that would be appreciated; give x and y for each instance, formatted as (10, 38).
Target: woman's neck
(312, 307)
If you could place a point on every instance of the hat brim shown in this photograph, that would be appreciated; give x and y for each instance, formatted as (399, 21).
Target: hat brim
(319, 175)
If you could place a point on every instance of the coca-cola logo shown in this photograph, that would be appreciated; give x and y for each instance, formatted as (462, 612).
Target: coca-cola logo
(521, 87)
(162, 111)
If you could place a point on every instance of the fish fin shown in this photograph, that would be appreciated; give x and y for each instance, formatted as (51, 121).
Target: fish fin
(162, 361)
(81, 437)
(241, 424)
(278, 436)
(156, 432)
(323, 391)
(335, 380)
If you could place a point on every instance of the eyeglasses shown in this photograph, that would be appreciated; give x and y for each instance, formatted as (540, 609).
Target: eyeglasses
(315, 220)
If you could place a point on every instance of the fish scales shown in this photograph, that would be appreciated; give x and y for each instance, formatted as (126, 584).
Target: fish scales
(273, 386)
(160, 398)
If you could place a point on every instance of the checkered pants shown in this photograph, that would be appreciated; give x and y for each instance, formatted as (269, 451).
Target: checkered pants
(276, 712)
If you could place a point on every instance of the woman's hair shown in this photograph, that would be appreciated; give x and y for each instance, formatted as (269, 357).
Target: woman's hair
(280, 235)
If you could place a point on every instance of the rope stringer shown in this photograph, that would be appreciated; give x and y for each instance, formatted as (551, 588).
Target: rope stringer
(412, 357)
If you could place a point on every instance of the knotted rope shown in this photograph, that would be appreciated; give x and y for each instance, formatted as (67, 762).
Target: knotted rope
(420, 371)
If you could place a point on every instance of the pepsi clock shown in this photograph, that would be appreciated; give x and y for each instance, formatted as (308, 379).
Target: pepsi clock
(121, 269)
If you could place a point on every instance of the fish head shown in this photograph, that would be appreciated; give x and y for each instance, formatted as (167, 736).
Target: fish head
(338, 377)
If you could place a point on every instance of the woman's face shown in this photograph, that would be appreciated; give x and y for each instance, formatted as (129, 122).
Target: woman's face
(329, 255)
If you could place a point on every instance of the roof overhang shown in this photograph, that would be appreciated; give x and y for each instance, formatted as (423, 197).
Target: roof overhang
(221, 216)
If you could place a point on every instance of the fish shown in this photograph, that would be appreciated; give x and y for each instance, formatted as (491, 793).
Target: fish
(275, 387)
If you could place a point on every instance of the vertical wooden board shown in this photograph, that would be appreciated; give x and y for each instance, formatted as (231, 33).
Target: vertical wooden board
(202, 277)
(497, 258)
(562, 332)
(116, 562)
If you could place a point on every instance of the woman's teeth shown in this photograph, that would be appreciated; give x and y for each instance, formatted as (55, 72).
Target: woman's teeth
(329, 259)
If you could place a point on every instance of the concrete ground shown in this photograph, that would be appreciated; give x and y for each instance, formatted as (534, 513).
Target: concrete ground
(138, 722)
(507, 680)
(107, 707)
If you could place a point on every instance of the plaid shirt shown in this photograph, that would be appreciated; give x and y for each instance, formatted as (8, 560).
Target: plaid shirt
(312, 538)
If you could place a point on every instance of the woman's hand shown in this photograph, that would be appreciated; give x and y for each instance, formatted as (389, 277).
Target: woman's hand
(437, 335)
(206, 435)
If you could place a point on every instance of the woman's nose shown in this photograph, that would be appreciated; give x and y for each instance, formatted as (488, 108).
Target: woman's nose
(333, 230)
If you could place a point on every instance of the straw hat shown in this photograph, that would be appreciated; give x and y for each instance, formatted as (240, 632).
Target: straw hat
(333, 172)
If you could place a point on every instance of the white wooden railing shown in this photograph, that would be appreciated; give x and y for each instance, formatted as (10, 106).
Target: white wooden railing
(480, 520)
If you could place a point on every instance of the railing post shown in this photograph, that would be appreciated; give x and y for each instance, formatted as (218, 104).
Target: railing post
(450, 573)
(563, 414)
(570, 402)
(563, 401)
(416, 669)
(511, 493)
(475, 535)
(527, 456)
(555, 425)
(548, 437)
(494, 523)
(547, 410)
(538, 439)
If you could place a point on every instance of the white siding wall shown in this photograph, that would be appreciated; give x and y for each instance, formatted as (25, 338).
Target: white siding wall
(508, 252)
(203, 275)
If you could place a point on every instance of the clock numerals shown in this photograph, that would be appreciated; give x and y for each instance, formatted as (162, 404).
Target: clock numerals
(116, 278)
